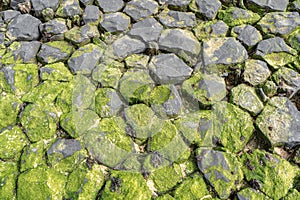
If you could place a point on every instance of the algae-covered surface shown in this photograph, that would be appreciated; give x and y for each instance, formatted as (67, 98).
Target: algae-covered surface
(149, 99)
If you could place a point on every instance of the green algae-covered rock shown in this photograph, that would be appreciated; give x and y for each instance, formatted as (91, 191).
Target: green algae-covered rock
(221, 169)
(137, 61)
(293, 194)
(287, 79)
(135, 86)
(39, 121)
(41, 183)
(252, 194)
(82, 35)
(246, 97)
(208, 29)
(9, 109)
(192, 188)
(20, 78)
(126, 185)
(55, 72)
(64, 100)
(165, 197)
(256, 72)
(84, 183)
(68, 8)
(270, 88)
(293, 39)
(8, 178)
(269, 173)
(234, 16)
(12, 142)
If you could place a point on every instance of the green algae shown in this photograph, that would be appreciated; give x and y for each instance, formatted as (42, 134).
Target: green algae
(235, 16)
(56, 72)
(9, 108)
(8, 177)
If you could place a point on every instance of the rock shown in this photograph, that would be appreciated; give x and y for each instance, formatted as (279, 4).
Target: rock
(177, 19)
(55, 72)
(293, 194)
(294, 40)
(40, 5)
(179, 3)
(168, 69)
(223, 51)
(8, 15)
(208, 8)
(147, 30)
(221, 169)
(279, 122)
(53, 29)
(246, 97)
(139, 9)
(135, 86)
(115, 22)
(206, 30)
(9, 174)
(139, 61)
(87, 2)
(268, 173)
(250, 193)
(255, 5)
(181, 42)
(234, 16)
(9, 109)
(85, 59)
(296, 5)
(282, 23)
(125, 46)
(270, 88)
(68, 8)
(287, 80)
(23, 27)
(110, 5)
(82, 35)
(91, 14)
(256, 72)
(247, 34)
(14, 3)
(56, 51)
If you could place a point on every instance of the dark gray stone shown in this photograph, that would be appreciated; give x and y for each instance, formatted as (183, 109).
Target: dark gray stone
(115, 22)
(147, 30)
(110, 5)
(23, 27)
(223, 51)
(66, 147)
(177, 19)
(279, 5)
(2, 36)
(210, 29)
(39, 5)
(181, 42)
(287, 79)
(8, 15)
(126, 46)
(27, 51)
(54, 29)
(169, 69)
(139, 9)
(14, 3)
(179, 3)
(247, 34)
(271, 45)
(91, 14)
(68, 8)
(209, 8)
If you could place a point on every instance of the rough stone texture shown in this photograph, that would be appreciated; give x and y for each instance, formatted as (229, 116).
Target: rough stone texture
(24, 27)
(272, 45)
(8, 175)
(8, 15)
(9, 109)
(209, 8)
(179, 3)
(234, 16)
(39, 5)
(181, 42)
(256, 72)
(296, 5)
(206, 30)
(110, 5)
(53, 29)
(137, 61)
(279, 122)
(168, 69)
(282, 23)
(294, 40)
(139, 9)
(287, 79)
(126, 46)
(55, 72)
(178, 19)
(250, 193)
(82, 35)
(247, 34)
(279, 5)
(68, 8)
(91, 14)
(115, 22)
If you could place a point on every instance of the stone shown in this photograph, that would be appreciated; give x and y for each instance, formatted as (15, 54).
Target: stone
(40, 5)
(10, 106)
(24, 27)
(91, 14)
(275, 5)
(208, 8)
(279, 122)
(295, 5)
(247, 34)
(56, 51)
(115, 22)
(221, 169)
(8, 177)
(85, 59)
(8, 15)
(139, 61)
(136, 86)
(294, 40)
(110, 5)
(82, 35)
(168, 69)
(181, 42)
(256, 72)
(53, 29)
(177, 19)
(179, 3)
(270, 88)
(206, 30)
(125, 46)
(14, 3)
(250, 193)
(234, 16)
(223, 51)
(86, 2)
(293, 194)
(268, 173)
(55, 72)
(147, 30)
(282, 23)
(139, 9)
(287, 80)
(68, 8)
(246, 97)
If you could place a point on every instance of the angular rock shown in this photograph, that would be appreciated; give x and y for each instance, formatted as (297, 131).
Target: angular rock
(53, 29)
(270, 88)
(279, 122)
(8, 15)
(177, 19)
(87, 2)
(209, 8)
(181, 42)
(179, 3)
(55, 72)
(293, 194)
(221, 169)
(14, 3)
(9, 109)
(234, 16)
(223, 51)
(24, 27)
(139, 9)
(294, 40)
(91, 14)
(40, 5)
(168, 69)
(85, 59)
(137, 61)
(279, 5)
(247, 34)
(115, 22)
(110, 5)
(56, 51)
(256, 72)
(68, 8)
(246, 97)
(82, 35)
(282, 23)
(126, 46)
(8, 175)
(250, 193)
(296, 5)
(206, 30)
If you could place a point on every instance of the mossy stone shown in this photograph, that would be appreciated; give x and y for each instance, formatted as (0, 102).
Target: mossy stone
(234, 16)
(250, 193)
(9, 108)
(8, 178)
(55, 72)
